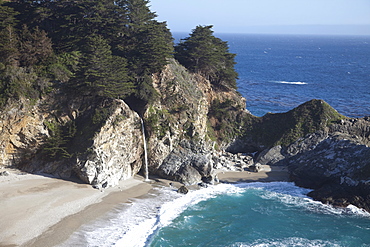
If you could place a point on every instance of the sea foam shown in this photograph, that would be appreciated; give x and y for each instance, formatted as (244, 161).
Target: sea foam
(288, 242)
(136, 223)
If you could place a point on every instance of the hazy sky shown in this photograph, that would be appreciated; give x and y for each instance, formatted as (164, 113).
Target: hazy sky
(267, 16)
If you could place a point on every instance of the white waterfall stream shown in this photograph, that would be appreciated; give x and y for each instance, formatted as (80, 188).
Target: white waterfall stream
(145, 152)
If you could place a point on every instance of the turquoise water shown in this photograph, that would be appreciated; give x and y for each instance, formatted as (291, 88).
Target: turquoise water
(277, 214)
(273, 214)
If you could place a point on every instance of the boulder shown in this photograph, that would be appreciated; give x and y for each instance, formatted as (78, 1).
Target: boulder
(270, 156)
(188, 175)
(4, 173)
(255, 167)
(116, 150)
(183, 190)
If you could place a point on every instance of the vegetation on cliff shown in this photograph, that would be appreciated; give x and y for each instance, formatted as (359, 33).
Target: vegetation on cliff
(104, 48)
(285, 128)
(89, 51)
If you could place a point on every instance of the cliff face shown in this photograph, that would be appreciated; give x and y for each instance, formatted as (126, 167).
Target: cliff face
(107, 145)
(181, 134)
(336, 164)
(101, 142)
(116, 150)
(22, 132)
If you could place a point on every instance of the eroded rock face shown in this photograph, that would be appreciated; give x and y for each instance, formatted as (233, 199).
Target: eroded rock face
(22, 132)
(270, 156)
(179, 143)
(116, 152)
(336, 167)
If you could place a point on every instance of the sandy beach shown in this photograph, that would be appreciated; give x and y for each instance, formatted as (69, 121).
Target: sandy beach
(43, 211)
(266, 174)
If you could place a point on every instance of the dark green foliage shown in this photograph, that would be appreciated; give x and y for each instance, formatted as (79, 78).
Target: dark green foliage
(64, 66)
(35, 47)
(285, 128)
(56, 146)
(102, 73)
(119, 43)
(9, 53)
(209, 56)
(16, 83)
(226, 119)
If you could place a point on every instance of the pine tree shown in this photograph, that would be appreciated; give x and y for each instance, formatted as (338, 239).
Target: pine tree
(209, 56)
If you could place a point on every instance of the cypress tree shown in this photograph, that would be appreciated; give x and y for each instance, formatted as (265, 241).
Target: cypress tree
(102, 73)
(207, 55)
(9, 53)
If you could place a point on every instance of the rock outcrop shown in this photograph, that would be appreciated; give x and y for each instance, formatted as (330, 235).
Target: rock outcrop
(181, 133)
(334, 162)
(100, 140)
(116, 150)
(22, 132)
(336, 165)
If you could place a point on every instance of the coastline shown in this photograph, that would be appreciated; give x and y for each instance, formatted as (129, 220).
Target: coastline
(45, 211)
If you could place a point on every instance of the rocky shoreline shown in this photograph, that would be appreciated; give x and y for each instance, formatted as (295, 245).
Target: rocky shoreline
(193, 130)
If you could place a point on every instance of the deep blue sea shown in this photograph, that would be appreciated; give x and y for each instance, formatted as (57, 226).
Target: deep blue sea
(280, 72)
(276, 74)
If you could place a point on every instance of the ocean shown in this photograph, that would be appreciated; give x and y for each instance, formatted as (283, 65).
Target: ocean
(276, 74)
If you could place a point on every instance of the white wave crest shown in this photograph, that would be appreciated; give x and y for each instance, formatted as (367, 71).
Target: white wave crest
(294, 196)
(288, 242)
(134, 223)
(292, 82)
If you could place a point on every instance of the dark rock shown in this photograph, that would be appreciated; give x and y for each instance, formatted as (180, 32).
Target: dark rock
(207, 179)
(186, 166)
(183, 190)
(337, 168)
(270, 156)
(255, 168)
(4, 173)
(307, 143)
(203, 185)
(343, 195)
(188, 175)
(202, 164)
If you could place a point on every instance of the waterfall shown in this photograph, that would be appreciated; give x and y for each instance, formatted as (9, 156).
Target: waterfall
(145, 152)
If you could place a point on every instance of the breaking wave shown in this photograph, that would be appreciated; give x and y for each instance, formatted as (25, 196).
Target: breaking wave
(292, 82)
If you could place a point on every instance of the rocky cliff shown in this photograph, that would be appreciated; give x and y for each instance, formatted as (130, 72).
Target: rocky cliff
(323, 150)
(181, 126)
(100, 140)
(336, 163)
